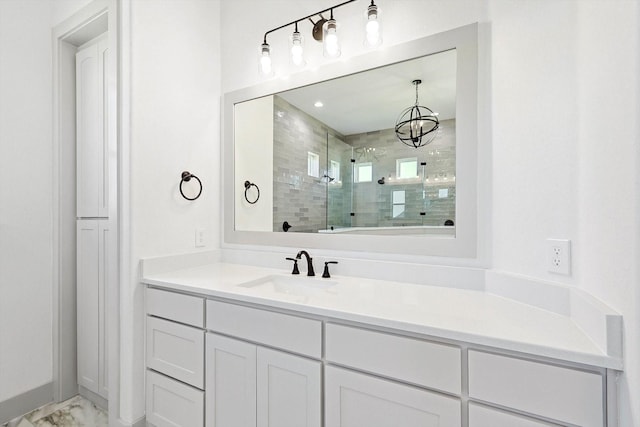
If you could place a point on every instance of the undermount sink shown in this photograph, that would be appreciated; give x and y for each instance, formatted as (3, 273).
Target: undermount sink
(291, 285)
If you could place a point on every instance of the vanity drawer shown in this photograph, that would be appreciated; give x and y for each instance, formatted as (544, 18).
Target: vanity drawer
(419, 362)
(292, 333)
(482, 416)
(176, 350)
(170, 403)
(181, 308)
(564, 394)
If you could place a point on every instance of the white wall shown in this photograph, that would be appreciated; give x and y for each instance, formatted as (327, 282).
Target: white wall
(62, 9)
(25, 191)
(608, 232)
(563, 140)
(175, 115)
(25, 196)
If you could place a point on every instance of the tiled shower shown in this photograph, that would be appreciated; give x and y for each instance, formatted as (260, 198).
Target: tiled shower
(362, 180)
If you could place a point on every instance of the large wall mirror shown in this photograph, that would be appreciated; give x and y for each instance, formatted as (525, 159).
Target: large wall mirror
(314, 160)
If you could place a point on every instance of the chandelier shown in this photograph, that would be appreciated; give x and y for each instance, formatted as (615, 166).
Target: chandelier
(417, 125)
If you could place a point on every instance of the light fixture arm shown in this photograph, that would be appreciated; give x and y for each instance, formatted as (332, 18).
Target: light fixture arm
(306, 17)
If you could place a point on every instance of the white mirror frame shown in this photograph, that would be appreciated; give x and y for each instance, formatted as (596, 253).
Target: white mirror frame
(465, 242)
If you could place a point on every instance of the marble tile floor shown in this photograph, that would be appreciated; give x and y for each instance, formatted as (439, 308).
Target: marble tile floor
(75, 412)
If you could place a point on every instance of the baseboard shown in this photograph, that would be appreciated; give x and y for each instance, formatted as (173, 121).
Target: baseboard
(96, 399)
(26, 402)
(119, 423)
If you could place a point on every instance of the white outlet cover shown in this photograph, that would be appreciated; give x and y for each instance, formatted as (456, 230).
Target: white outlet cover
(559, 256)
(200, 238)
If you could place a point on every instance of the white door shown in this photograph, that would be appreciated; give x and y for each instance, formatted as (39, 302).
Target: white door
(91, 137)
(230, 382)
(288, 390)
(92, 270)
(88, 303)
(356, 400)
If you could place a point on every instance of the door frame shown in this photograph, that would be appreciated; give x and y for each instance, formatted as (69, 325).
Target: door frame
(65, 38)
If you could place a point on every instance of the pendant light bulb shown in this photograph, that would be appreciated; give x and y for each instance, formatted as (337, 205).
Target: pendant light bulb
(373, 27)
(330, 38)
(297, 48)
(265, 60)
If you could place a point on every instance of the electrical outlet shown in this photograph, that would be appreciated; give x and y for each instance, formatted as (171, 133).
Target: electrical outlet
(559, 256)
(200, 241)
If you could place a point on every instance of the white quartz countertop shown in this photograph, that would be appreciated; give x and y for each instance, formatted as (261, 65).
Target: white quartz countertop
(471, 316)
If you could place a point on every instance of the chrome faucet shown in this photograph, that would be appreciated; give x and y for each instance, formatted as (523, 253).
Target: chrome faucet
(310, 271)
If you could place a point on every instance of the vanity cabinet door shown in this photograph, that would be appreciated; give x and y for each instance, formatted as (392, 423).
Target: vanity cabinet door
(355, 400)
(289, 390)
(230, 382)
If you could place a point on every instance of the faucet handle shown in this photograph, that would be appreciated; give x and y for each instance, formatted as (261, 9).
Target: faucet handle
(295, 265)
(325, 273)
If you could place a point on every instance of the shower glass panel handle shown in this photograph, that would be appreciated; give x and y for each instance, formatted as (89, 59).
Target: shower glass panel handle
(424, 192)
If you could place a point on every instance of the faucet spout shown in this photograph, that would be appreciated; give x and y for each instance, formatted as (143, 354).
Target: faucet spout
(310, 271)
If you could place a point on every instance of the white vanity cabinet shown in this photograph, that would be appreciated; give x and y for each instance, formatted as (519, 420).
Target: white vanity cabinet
(175, 345)
(251, 385)
(231, 364)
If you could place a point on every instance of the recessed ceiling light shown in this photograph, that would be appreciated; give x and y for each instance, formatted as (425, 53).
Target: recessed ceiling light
(318, 104)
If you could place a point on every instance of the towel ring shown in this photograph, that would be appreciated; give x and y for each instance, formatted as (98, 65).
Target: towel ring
(186, 177)
(247, 186)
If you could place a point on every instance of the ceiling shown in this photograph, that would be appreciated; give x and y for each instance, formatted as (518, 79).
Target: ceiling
(373, 100)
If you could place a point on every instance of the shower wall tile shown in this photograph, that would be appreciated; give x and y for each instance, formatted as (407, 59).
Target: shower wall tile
(309, 203)
(299, 199)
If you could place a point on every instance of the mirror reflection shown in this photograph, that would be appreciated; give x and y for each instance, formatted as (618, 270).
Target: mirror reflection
(327, 158)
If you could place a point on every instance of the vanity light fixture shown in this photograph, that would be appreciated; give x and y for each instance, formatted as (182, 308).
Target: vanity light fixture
(372, 26)
(417, 125)
(330, 40)
(325, 31)
(265, 59)
(297, 48)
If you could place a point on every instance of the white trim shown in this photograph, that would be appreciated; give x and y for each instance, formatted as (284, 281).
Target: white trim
(65, 382)
(117, 46)
(118, 309)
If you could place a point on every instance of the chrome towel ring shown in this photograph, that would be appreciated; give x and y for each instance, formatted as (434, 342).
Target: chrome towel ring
(247, 186)
(186, 177)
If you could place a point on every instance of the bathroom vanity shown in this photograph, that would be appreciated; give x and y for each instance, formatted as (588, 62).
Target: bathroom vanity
(237, 345)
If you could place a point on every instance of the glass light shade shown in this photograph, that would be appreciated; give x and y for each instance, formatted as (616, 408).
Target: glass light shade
(373, 27)
(266, 68)
(331, 42)
(297, 49)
